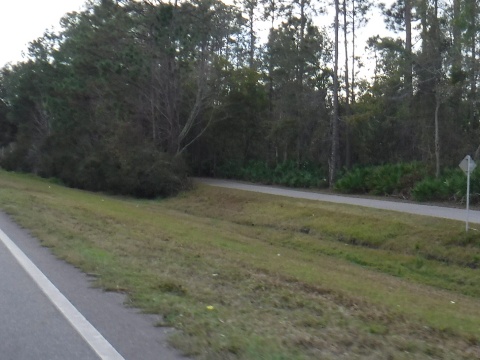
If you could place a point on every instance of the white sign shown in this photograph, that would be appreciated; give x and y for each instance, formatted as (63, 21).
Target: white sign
(467, 165)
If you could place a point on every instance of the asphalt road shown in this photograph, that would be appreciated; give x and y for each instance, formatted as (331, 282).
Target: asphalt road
(406, 207)
(48, 310)
(31, 326)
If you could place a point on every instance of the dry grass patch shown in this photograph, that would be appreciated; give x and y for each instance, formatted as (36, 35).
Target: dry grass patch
(249, 276)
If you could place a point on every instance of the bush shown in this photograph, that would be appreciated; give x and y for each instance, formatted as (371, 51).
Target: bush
(257, 171)
(354, 181)
(304, 175)
(430, 189)
(146, 174)
(389, 179)
(452, 186)
(230, 170)
(124, 165)
(288, 173)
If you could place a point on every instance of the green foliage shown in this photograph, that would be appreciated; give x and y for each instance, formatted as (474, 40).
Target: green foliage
(94, 106)
(192, 79)
(125, 165)
(297, 56)
(451, 186)
(7, 129)
(354, 181)
(14, 159)
(430, 189)
(147, 173)
(396, 178)
(288, 173)
(240, 134)
(305, 174)
(389, 179)
(412, 181)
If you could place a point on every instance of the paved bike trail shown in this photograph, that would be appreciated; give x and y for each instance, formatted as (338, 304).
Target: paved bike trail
(406, 207)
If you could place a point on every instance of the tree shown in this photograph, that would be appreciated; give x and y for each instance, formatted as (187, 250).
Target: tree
(399, 19)
(272, 10)
(74, 104)
(182, 81)
(382, 132)
(471, 37)
(347, 86)
(250, 8)
(408, 49)
(7, 128)
(239, 130)
(359, 11)
(354, 17)
(299, 75)
(332, 166)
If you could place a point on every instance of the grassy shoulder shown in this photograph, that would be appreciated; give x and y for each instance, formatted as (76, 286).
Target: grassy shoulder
(251, 276)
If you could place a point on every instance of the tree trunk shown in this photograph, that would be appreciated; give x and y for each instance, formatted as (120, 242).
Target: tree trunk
(438, 102)
(353, 51)
(473, 59)
(408, 50)
(438, 91)
(303, 23)
(347, 87)
(456, 72)
(251, 14)
(457, 44)
(332, 166)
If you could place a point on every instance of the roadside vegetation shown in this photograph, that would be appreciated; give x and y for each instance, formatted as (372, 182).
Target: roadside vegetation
(288, 173)
(413, 181)
(252, 276)
(131, 96)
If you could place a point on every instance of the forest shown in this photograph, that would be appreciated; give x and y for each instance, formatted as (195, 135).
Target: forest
(133, 97)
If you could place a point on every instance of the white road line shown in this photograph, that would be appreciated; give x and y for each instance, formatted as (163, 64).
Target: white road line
(91, 335)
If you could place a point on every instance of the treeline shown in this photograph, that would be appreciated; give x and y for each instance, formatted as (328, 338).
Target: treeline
(131, 97)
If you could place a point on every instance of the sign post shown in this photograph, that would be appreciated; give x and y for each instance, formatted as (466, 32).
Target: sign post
(467, 165)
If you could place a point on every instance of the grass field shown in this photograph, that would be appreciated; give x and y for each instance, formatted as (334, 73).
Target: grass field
(253, 276)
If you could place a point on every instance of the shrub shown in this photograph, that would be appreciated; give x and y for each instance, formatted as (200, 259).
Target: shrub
(389, 179)
(288, 173)
(452, 185)
(146, 173)
(257, 171)
(230, 170)
(125, 164)
(430, 189)
(354, 181)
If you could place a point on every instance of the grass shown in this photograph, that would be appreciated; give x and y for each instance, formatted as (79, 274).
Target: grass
(252, 276)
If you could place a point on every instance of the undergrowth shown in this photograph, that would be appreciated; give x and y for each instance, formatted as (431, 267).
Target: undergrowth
(390, 179)
(289, 173)
(410, 181)
(450, 186)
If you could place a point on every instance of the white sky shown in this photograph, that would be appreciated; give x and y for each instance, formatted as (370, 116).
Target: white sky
(22, 21)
